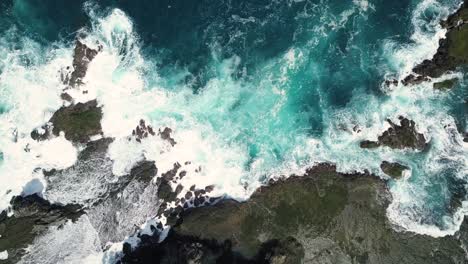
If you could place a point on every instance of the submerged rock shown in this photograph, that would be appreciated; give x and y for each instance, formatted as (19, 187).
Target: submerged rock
(32, 215)
(400, 136)
(320, 217)
(79, 122)
(394, 170)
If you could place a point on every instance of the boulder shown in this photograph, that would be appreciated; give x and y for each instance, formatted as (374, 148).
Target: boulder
(393, 169)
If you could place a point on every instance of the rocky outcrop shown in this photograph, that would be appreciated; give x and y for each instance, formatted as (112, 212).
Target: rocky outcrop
(32, 216)
(393, 169)
(320, 217)
(82, 56)
(189, 249)
(445, 85)
(79, 122)
(452, 51)
(400, 136)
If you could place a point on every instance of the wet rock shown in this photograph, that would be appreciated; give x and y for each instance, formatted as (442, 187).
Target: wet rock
(414, 80)
(43, 133)
(142, 131)
(209, 188)
(82, 56)
(165, 191)
(400, 136)
(179, 189)
(169, 175)
(79, 122)
(285, 251)
(403, 136)
(32, 216)
(188, 195)
(391, 82)
(183, 249)
(452, 51)
(320, 217)
(394, 170)
(369, 144)
(66, 97)
(445, 85)
(166, 135)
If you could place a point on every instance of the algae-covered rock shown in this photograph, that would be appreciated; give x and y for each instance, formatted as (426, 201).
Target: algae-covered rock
(400, 136)
(320, 217)
(32, 215)
(453, 49)
(394, 170)
(79, 122)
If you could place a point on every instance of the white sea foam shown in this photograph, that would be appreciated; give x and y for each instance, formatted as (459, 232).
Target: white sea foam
(4, 255)
(30, 86)
(75, 242)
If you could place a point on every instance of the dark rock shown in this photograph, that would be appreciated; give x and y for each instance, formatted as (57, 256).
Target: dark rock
(452, 51)
(188, 195)
(82, 56)
(414, 80)
(66, 97)
(47, 133)
(32, 217)
(286, 251)
(126, 248)
(166, 135)
(209, 188)
(320, 217)
(394, 170)
(142, 131)
(403, 136)
(79, 122)
(144, 171)
(369, 144)
(179, 189)
(165, 191)
(399, 137)
(445, 85)
(183, 249)
(391, 82)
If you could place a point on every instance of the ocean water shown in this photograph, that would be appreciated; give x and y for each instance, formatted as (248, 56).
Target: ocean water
(251, 89)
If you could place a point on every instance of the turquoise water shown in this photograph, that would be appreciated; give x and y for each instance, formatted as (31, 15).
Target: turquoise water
(282, 82)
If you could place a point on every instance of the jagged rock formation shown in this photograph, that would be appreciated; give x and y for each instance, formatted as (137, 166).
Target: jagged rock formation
(400, 136)
(393, 169)
(82, 56)
(327, 217)
(32, 216)
(452, 51)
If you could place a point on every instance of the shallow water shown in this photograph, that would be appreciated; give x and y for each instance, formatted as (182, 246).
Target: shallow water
(252, 90)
